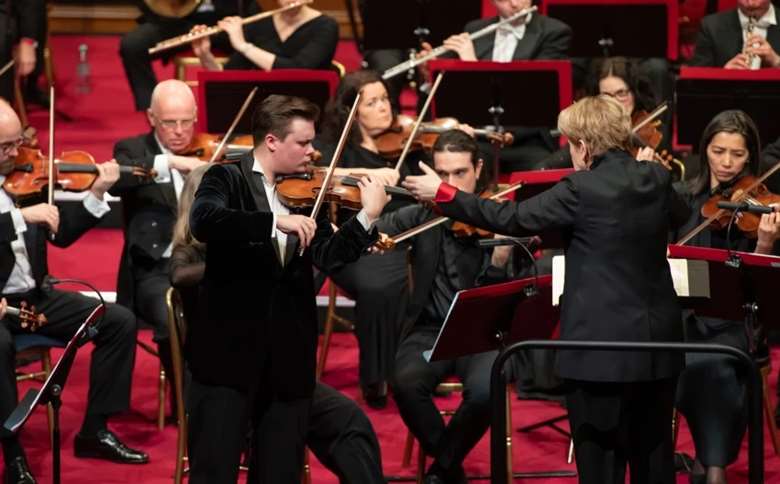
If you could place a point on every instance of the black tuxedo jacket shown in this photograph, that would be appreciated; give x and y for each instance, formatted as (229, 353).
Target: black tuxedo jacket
(720, 39)
(21, 18)
(427, 252)
(148, 210)
(544, 38)
(222, 9)
(74, 221)
(259, 330)
(615, 219)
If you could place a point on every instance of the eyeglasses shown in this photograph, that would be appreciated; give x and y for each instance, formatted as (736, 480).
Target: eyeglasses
(619, 94)
(8, 146)
(171, 124)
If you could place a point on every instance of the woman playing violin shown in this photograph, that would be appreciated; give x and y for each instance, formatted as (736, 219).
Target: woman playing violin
(711, 392)
(300, 38)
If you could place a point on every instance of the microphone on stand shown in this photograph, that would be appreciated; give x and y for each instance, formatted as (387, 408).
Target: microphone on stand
(529, 245)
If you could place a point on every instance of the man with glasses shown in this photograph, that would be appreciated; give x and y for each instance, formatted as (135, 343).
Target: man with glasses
(150, 205)
(24, 278)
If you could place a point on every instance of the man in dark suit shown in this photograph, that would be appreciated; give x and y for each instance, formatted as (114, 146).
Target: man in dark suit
(254, 355)
(150, 205)
(153, 28)
(24, 278)
(442, 265)
(19, 26)
(614, 214)
(723, 37)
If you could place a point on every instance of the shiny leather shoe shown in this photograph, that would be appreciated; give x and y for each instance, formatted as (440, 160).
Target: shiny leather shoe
(18, 472)
(106, 445)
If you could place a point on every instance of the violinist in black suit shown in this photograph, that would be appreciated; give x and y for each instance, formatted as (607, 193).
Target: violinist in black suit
(152, 28)
(149, 205)
(19, 29)
(723, 36)
(24, 277)
(253, 358)
(614, 213)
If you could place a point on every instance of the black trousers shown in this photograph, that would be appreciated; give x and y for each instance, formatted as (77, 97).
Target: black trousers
(413, 385)
(152, 281)
(134, 50)
(378, 283)
(333, 426)
(113, 358)
(615, 424)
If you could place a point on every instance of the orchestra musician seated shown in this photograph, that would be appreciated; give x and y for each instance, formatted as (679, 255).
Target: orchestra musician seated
(339, 433)
(443, 264)
(300, 38)
(24, 278)
(149, 205)
(711, 392)
(746, 37)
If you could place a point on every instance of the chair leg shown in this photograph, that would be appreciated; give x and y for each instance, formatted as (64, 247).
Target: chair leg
(420, 464)
(408, 448)
(306, 477)
(509, 468)
(768, 409)
(46, 364)
(328, 329)
(161, 393)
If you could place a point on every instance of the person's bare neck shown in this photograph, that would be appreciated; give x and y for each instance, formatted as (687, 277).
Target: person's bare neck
(264, 157)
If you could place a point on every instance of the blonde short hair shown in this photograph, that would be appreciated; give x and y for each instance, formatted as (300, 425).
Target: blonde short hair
(600, 121)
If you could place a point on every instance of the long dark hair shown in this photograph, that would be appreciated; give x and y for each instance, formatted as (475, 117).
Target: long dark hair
(644, 96)
(731, 121)
(337, 110)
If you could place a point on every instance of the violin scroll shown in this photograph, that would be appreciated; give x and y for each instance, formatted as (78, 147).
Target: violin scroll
(28, 318)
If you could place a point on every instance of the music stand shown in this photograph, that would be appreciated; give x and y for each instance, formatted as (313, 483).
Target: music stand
(490, 317)
(221, 93)
(51, 391)
(703, 92)
(401, 24)
(737, 291)
(602, 27)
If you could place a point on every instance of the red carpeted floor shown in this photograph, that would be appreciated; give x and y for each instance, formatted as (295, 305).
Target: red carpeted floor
(97, 121)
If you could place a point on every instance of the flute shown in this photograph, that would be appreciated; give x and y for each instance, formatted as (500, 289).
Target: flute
(412, 63)
(754, 61)
(209, 31)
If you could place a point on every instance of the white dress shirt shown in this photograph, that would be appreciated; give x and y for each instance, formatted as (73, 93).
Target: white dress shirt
(507, 37)
(759, 28)
(21, 278)
(166, 174)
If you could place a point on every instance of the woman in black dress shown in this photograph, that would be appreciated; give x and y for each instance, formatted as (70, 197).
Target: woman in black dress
(300, 38)
(711, 391)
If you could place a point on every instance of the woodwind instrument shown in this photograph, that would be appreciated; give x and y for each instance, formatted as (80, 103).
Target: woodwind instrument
(754, 61)
(412, 63)
(208, 32)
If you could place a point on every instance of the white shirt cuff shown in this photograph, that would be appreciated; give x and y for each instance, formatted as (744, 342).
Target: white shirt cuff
(363, 219)
(162, 169)
(19, 225)
(96, 207)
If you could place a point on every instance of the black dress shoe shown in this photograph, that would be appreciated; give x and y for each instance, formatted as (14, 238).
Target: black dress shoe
(375, 395)
(106, 445)
(18, 472)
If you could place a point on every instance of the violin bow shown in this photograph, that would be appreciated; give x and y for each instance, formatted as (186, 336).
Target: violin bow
(51, 145)
(332, 166)
(687, 237)
(7, 66)
(234, 123)
(651, 117)
(440, 220)
(417, 123)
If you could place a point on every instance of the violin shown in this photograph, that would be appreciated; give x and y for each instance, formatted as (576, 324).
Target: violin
(391, 142)
(300, 190)
(204, 145)
(75, 171)
(28, 318)
(747, 189)
(647, 133)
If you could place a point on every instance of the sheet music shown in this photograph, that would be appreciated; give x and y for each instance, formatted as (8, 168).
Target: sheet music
(691, 278)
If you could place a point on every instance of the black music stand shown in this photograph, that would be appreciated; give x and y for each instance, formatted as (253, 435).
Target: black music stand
(489, 318)
(601, 29)
(221, 93)
(400, 24)
(703, 92)
(51, 391)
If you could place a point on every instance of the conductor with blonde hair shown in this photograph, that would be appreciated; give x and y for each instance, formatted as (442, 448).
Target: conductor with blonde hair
(614, 213)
